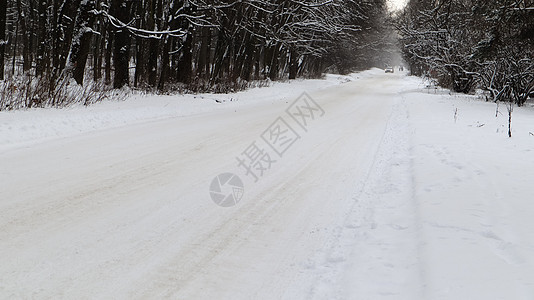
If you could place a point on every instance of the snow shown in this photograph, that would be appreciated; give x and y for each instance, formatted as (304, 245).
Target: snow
(473, 185)
(396, 192)
(19, 128)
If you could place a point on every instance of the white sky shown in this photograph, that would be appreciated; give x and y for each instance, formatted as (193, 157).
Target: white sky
(396, 4)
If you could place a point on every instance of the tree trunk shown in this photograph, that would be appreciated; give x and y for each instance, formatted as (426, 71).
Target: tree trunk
(185, 64)
(63, 33)
(221, 48)
(155, 12)
(258, 62)
(42, 56)
(97, 51)
(81, 45)
(15, 44)
(293, 63)
(3, 7)
(140, 48)
(250, 50)
(273, 70)
(31, 36)
(203, 56)
(164, 65)
(107, 58)
(121, 49)
(23, 21)
(153, 53)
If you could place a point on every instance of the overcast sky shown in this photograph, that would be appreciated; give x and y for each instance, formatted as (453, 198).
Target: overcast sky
(396, 4)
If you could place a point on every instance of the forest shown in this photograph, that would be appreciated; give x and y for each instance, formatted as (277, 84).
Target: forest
(470, 44)
(56, 52)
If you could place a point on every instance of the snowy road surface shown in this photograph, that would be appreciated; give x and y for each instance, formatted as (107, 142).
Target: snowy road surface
(385, 196)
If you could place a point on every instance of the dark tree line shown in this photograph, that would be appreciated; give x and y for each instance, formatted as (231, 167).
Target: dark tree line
(3, 11)
(466, 44)
(200, 44)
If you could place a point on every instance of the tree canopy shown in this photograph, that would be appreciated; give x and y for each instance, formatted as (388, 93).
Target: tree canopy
(214, 45)
(472, 43)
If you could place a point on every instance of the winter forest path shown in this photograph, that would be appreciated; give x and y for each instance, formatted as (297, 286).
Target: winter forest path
(126, 212)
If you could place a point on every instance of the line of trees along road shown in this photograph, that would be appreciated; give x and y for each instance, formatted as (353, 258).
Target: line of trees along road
(201, 44)
(466, 44)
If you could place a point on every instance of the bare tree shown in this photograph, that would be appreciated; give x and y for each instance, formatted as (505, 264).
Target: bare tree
(121, 52)
(193, 44)
(469, 43)
(3, 42)
(81, 44)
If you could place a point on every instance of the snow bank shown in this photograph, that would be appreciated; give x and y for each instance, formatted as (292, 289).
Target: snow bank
(473, 187)
(25, 127)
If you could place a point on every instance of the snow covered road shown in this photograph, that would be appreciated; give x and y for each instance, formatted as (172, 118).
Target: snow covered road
(350, 211)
